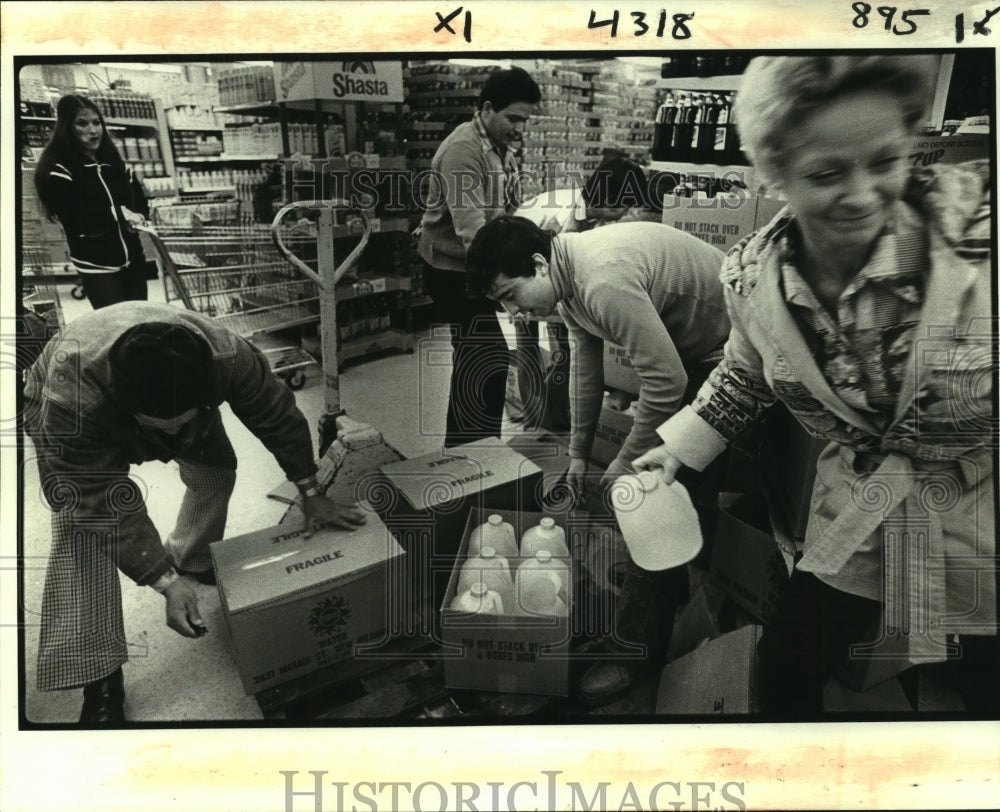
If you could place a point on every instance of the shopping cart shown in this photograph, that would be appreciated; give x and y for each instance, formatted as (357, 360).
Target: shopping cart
(39, 293)
(234, 275)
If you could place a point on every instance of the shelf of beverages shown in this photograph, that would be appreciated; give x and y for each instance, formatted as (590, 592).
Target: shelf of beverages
(696, 128)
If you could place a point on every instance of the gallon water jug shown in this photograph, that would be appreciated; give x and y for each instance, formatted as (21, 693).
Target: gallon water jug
(490, 569)
(495, 533)
(540, 596)
(546, 535)
(478, 599)
(658, 521)
(551, 572)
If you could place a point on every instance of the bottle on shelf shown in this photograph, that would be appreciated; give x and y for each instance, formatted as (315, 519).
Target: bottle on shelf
(546, 535)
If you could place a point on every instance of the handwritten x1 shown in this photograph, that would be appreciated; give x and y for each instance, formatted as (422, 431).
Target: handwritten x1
(443, 23)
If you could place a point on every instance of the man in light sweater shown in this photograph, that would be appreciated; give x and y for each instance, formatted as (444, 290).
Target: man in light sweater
(474, 179)
(655, 291)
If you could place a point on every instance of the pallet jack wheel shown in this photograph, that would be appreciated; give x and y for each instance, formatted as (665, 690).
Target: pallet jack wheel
(77, 292)
(295, 380)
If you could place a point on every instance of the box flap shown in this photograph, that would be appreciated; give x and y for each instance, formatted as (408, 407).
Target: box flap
(277, 562)
(437, 479)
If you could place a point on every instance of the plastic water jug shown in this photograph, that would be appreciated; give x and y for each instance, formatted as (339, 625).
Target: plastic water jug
(479, 599)
(538, 576)
(546, 535)
(495, 533)
(658, 521)
(540, 596)
(490, 569)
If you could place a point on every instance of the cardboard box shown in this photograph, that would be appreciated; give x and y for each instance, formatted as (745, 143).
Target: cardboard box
(788, 463)
(294, 605)
(618, 370)
(425, 501)
(886, 697)
(613, 428)
(950, 149)
(508, 653)
(697, 621)
(718, 677)
(746, 560)
(720, 221)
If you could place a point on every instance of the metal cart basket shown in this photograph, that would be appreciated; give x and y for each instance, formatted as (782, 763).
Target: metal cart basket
(235, 275)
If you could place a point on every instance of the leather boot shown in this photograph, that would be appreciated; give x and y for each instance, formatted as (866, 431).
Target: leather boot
(644, 619)
(104, 701)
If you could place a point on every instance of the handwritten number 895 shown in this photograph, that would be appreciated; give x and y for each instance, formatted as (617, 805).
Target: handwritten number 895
(862, 11)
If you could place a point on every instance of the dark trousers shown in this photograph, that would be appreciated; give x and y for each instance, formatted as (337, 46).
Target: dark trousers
(480, 358)
(103, 289)
(809, 638)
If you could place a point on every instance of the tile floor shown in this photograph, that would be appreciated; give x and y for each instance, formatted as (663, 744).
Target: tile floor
(170, 678)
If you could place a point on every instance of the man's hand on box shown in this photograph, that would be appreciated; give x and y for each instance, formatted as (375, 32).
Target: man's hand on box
(320, 510)
(182, 609)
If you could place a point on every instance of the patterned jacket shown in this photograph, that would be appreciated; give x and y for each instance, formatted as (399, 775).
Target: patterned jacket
(930, 469)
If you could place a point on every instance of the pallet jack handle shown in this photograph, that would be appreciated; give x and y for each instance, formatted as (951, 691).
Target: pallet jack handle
(326, 209)
(329, 273)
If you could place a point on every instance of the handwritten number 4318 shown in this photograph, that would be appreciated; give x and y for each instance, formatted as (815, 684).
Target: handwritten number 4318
(678, 31)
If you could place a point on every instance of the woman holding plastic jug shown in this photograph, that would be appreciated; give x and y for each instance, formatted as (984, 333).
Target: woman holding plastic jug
(864, 306)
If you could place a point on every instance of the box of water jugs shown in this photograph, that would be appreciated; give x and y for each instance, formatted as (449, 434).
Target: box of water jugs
(505, 618)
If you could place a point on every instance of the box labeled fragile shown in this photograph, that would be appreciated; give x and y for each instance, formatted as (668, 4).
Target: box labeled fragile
(425, 502)
(293, 605)
(525, 653)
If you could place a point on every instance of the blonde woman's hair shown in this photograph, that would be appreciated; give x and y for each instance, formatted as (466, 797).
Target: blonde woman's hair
(777, 93)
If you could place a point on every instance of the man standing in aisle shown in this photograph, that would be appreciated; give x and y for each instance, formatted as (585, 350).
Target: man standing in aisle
(655, 291)
(126, 384)
(474, 180)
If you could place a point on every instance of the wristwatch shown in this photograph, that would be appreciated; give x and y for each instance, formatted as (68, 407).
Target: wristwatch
(309, 486)
(165, 580)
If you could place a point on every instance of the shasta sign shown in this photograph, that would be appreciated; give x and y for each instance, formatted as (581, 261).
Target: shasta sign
(347, 80)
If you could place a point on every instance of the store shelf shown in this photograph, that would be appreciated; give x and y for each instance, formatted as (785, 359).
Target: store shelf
(427, 95)
(372, 287)
(197, 159)
(202, 190)
(700, 168)
(421, 301)
(196, 128)
(247, 108)
(722, 82)
(377, 342)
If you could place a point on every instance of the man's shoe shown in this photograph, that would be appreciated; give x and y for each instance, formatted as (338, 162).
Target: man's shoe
(206, 577)
(104, 701)
(603, 683)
